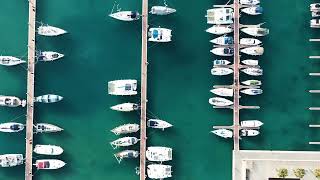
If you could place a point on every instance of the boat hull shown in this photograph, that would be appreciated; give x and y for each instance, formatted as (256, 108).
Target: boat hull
(48, 150)
(11, 127)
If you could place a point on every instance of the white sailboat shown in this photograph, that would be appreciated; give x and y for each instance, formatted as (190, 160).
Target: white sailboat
(221, 71)
(226, 92)
(249, 2)
(47, 128)
(159, 34)
(158, 124)
(221, 102)
(48, 98)
(46, 30)
(49, 56)
(223, 51)
(125, 15)
(162, 10)
(49, 164)
(220, 29)
(11, 101)
(252, 82)
(253, 10)
(315, 14)
(48, 150)
(11, 127)
(315, 7)
(126, 129)
(225, 133)
(124, 87)
(249, 132)
(252, 91)
(159, 171)
(124, 142)
(11, 160)
(250, 41)
(126, 154)
(250, 62)
(223, 40)
(220, 62)
(251, 123)
(315, 23)
(220, 16)
(159, 154)
(254, 51)
(125, 107)
(10, 61)
(255, 31)
(253, 71)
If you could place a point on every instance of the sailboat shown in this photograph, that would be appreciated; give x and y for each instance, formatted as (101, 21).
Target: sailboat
(225, 133)
(251, 123)
(315, 23)
(47, 128)
(249, 2)
(253, 71)
(252, 91)
(221, 71)
(159, 34)
(223, 51)
(10, 61)
(126, 154)
(159, 171)
(223, 40)
(220, 62)
(126, 15)
(125, 87)
(124, 141)
(255, 31)
(250, 41)
(159, 154)
(315, 7)
(125, 107)
(161, 10)
(48, 98)
(250, 62)
(252, 82)
(253, 10)
(249, 132)
(47, 149)
(226, 92)
(49, 164)
(158, 124)
(315, 14)
(11, 127)
(254, 51)
(126, 129)
(49, 56)
(11, 160)
(220, 29)
(46, 30)
(221, 102)
(11, 101)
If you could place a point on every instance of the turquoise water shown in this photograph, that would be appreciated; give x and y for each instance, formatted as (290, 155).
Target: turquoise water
(99, 49)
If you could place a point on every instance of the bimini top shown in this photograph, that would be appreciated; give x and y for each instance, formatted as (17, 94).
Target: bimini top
(122, 87)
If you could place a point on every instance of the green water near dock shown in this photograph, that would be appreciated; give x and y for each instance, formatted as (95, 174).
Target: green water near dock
(99, 49)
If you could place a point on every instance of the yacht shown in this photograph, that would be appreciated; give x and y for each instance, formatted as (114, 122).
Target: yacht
(315, 14)
(126, 154)
(162, 10)
(253, 10)
(250, 41)
(46, 30)
(315, 7)
(159, 154)
(315, 23)
(250, 62)
(11, 160)
(159, 171)
(221, 62)
(252, 91)
(47, 149)
(251, 123)
(249, 2)
(47, 128)
(126, 15)
(221, 102)
(249, 132)
(125, 107)
(221, 71)
(126, 129)
(122, 87)
(255, 31)
(223, 51)
(159, 34)
(10, 61)
(158, 124)
(49, 164)
(49, 56)
(220, 16)
(124, 141)
(225, 133)
(223, 40)
(220, 29)
(253, 71)
(11, 101)
(11, 127)
(254, 51)
(226, 92)
(48, 98)
(252, 82)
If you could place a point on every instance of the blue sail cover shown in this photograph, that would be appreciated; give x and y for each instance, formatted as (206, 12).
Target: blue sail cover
(155, 33)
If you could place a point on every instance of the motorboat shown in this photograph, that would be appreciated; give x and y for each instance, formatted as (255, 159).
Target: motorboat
(126, 129)
(315, 23)
(159, 171)
(249, 2)
(249, 132)
(221, 62)
(125, 107)
(253, 71)
(126, 15)
(254, 51)
(220, 16)
(11, 127)
(124, 142)
(223, 40)
(251, 123)
(220, 29)
(47, 149)
(223, 51)
(252, 91)
(315, 7)
(47, 128)
(11, 101)
(123, 87)
(250, 41)
(252, 82)
(221, 102)
(226, 92)
(10, 61)
(250, 62)
(158, 124)
(225, 133)
(253, 10)
(315, 14)
(49, 164)
(162, 10)
(159, 154)
(159, 34)
(49, 56)
(221, 71)
(11, 160)
(255, 31)
(48, 98)
(46, 30)
(126, 154)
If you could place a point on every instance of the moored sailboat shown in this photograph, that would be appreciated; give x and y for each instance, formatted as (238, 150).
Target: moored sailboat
(126, 154)
(255, 31)
(252, 82)
(254, 51)
(249, 132)
(124, 142)
(250, 62)
(251, 123)
(220, 62)
(49, 56)
(46, 30)
(223, 51)
(221, 71)
(46, 128)
(250, 41)
(10, 61)
(220, 29)
(126, 129)
(11, 127)
(223, 40)
(253, 10)
(249, 2)
(158, 124)
(47, 149)
(159, 34)
(125, 107)
(226, 92)
(252, 91)
(48, 98)
(125, 15)
(220, 102)
(253, 71)
(225, 133)
(162, 10)
(11, 101)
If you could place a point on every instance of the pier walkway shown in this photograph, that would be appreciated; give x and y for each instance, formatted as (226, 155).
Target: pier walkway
(30, 88)
(144, 70)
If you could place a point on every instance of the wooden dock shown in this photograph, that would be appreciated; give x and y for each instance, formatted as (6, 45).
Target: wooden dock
(144, 71)
(30, 88)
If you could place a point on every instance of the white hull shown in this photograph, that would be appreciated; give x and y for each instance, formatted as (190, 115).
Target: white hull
(225, 92)
(11, 160)
(252, 83)
(125, 107)
(48, 98)
(49, 164)
(162, 10)
(220, 16)
(315, 14)
(159, 35)
(126, 154)
(158, 124)
(252, 91)
(256, 31)
(11, 127)
(221, 102)
(223, 40)
(221, 71)
(126, 87)
(219, 30)
(48, 150)
(159, 154)
(159, 171)
(250, 62)
(126, 129)
(251, 123)
(315, 23)
(11, 101)
(225, 133)
(10, 61)
(315, 7)
(47, 128)
(221, 51)
(49, 56)
(253, 71)
(254, 10)
(46, 30)
(124, 142)
(249, 132)
(220, 62)
(249, 2)
(254, 51)
(125, 15)
(250, 41)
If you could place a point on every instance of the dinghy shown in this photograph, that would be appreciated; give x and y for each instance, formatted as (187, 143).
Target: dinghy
(221, 102)
(252, 82)
(253, 10)
(11, 101)
(159, 154)
(10, 61)
(249, 2)
(251, 123)
(223, 51)
(47, 128)
(220, 62)
(125, 15)
(124, 142)
(253, 71)
(255, 31)
(49, 164)
(158, 124)
(254, 51)
(46, 30)
(159, 35)
(126, 154)
(48, 98)
(126, 87)
(220, 30)
(252, 91)
(226, 92)
(11, 160)
(11, 127)
(250, 41)
(315, 7)
(49, 56)
(250, 62)
(162, 10)
(125, 107)
(249, 132)
(126, 129)
(225, 133)
(223, 40)
(50, 150)
(221, 71)
(220, 16)
(159, 171)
